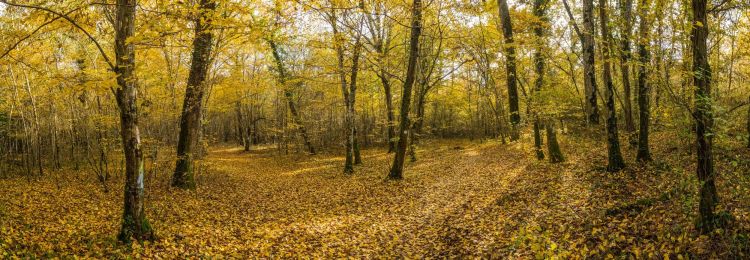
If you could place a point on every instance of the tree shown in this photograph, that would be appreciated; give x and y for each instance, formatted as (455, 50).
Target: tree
(416, 29)
(703, 117)
(510, 67)
(626, 9)
(282, 79)
(589, 74)
(615, 160)
(540, 8)
(644, 92)
(192, 106)
(379, 30)
(135, 225)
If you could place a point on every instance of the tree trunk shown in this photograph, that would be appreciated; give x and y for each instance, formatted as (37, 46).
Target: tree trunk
(192, 107)
(353, 99)
(703, 117)
(135, 225)
(391, 125)
(416, 29)
(289, 96)
(540, 8)
(338, 42)
(748, 124)
(510, 64)
(553, 148)
(615, 160)
(626, 7)
(644, 114)
(589, 63)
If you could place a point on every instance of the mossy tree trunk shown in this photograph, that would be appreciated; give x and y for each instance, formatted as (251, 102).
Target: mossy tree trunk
(135, 225)
(510, 68)
(703, 117)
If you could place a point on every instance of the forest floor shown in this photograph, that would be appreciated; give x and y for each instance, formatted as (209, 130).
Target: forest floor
(460, 199)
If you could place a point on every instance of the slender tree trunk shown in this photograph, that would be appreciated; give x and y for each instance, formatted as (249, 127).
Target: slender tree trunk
(192, 107)
(626, 7)
(589, 63)
(540, 8)
(510, 64)
(615, 160)
(748, 124)
(338, 42)
(391, 124)
(353, 99)
(644, 91)
(135, 225)
(703, 117)
(416, 29)
(290, 97)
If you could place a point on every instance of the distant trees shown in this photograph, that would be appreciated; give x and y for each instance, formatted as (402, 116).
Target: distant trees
(404, 127)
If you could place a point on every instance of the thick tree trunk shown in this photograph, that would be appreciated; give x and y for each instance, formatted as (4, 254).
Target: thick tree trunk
(289, 96)
(192, 106)
(644, 92)
(703, 117)
(135, 225)
(416, 29)
(615, 160)
(589, 63)
(626, 8)
(510, 68)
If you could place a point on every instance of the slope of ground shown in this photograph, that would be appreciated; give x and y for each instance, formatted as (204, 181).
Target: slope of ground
(460, 199)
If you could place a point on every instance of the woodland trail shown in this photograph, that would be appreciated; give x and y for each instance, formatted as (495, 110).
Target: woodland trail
(460, 199)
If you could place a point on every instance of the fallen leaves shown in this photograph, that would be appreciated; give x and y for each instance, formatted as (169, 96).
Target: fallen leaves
(484, 201)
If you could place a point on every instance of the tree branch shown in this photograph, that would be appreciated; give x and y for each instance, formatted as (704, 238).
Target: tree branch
(72, 22)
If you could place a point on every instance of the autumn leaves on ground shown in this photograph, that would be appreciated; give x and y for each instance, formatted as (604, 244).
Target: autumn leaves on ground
(461, 198)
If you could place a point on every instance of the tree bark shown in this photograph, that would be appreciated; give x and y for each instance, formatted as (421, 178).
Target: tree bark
(589, 63)
(615, 160)
(626, 7)
(644, 91)
(511, 71)
(703, 117)
(338, 42)
(192, 106)
(416, 29)
(135, 225)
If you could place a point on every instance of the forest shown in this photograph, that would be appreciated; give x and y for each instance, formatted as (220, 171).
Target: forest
(388, 129)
